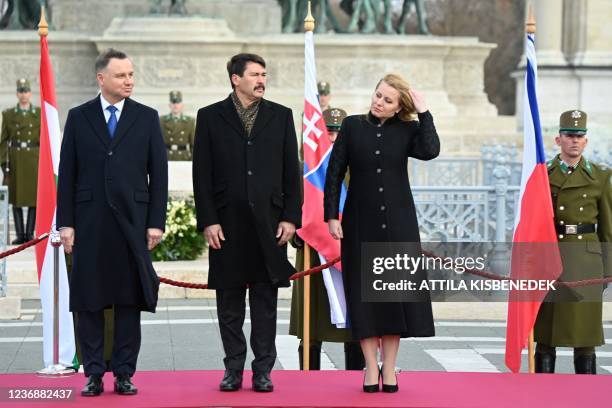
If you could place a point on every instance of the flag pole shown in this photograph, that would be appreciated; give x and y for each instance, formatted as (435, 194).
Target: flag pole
(530, 28)
(306, 325)
(309, 24)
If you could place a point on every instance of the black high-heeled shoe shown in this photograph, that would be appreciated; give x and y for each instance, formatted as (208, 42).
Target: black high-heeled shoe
(374, 387)
(388, 387)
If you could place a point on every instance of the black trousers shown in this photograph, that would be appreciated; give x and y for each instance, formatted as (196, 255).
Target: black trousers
(231, 307)
(126, 341)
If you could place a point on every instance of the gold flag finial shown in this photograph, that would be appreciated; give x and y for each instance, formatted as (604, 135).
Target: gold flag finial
(43, 26)
(530, 26)
(309, 21)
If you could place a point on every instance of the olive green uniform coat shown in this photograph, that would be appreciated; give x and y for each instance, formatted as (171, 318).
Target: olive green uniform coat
(178, 132)
(583, 196)
(321, 328)
(19, 141)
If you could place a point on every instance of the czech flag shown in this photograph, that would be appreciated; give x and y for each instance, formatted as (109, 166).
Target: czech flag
(535, 253)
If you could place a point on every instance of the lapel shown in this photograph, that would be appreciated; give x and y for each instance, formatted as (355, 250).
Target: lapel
(580, 177)
(555, 174)
(558, 178)
(128, 116)
(264, 114)
(95, 117)
(228, 112)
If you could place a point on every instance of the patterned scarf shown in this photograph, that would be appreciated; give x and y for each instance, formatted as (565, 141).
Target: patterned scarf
(247, 115)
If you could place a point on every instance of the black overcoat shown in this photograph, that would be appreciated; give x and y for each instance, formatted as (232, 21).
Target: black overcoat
(248, 185)
(110, 192)
(379, 208)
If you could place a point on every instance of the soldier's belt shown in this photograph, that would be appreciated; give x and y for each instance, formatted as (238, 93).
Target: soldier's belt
(576, 229)
(23, 145)
(178, 147)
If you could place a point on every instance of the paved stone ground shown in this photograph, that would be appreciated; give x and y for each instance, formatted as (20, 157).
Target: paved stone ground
(183, 335)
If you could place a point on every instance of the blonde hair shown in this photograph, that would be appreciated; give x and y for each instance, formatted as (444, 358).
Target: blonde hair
(407, 109)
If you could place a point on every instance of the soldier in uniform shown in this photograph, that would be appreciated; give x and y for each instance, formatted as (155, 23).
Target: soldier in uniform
(582, 202)
(324, 89)
(19, 143)
(178, 130)
(321, 328)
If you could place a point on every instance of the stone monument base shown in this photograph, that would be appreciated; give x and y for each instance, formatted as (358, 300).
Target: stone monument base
(190, 54)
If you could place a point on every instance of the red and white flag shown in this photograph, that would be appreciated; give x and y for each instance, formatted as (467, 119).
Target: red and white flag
(50, 142)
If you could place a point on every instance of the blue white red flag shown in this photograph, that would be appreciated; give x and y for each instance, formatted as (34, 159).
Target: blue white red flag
(534, 225)
(317, 149)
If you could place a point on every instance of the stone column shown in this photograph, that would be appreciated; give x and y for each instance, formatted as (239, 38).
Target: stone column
(549, 20)
(587, 32)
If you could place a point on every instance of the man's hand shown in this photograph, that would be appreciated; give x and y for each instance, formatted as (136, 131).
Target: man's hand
(154, 236)
(284, 232)
(214, 236)
(67, 238)
(335, 229)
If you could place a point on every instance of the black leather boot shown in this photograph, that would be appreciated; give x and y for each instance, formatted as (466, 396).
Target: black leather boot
(94, 386)
(585, 364)
(124, 385)
(20, 237)
(262, 382)
(315, 356)
(353, 356)
(544, 362)
(232, 380)
(30, 224)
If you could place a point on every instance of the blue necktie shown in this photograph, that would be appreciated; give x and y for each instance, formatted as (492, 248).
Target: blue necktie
(112, 121)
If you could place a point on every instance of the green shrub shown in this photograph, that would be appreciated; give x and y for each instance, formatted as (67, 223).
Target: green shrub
(181, 241)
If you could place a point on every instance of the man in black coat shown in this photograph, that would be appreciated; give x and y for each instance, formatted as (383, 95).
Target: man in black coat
(246, 185)
(111, 211)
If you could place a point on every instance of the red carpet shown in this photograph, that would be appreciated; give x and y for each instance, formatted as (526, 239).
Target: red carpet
(334, 389)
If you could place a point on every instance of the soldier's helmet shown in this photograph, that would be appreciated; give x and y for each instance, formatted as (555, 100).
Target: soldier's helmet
(333, 118)
(573, 122)
(23, 85)
(324, 88)
(176, 97)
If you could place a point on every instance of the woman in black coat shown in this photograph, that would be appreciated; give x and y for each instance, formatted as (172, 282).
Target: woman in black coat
(380, 208)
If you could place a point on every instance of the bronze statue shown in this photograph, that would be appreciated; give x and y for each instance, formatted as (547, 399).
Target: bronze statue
(176, 7)
(294, 12)
(355, 9)
(21, 14)
(421, 16)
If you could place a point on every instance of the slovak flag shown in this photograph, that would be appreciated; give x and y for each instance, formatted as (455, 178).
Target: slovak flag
(317, 151)
(535, 254)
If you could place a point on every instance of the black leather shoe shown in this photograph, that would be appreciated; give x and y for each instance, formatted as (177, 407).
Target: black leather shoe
(262, 382)
(232, 380)
(544, 362)
(585, 364)
(94, 387)
(372, 387)
(389, 387)
(124, 385)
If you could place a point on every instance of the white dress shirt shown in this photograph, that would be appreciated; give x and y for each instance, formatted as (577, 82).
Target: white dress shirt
(106, 104)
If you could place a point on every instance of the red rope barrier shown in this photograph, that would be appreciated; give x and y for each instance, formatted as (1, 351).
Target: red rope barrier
(24, 246)
(489, 275)
(295, 276)
(317, 269)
